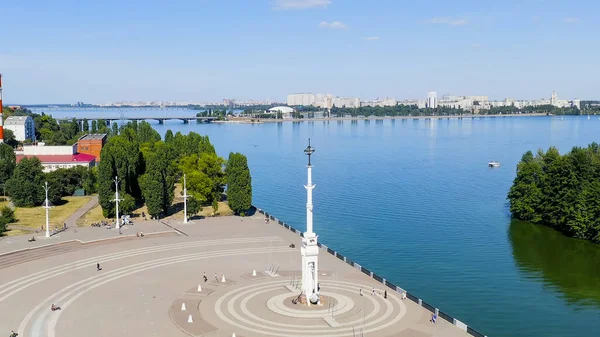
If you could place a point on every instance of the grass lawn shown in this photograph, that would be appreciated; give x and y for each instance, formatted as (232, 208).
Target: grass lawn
(35, 217)
(15, 232)
(176, 211)
(95, 215)
(224, 210)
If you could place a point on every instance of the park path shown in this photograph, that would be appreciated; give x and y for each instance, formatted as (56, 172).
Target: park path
(72, 220)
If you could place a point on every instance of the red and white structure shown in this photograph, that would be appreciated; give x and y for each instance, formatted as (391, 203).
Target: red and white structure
(1, 117)
(57, 157)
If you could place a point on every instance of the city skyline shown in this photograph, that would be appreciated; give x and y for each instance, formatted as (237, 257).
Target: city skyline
(264, 50)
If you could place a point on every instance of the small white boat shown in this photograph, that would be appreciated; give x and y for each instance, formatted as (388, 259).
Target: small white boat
(588, 117)
(494, 163)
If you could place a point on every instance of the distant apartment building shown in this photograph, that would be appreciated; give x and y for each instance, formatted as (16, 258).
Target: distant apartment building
(379, 102)
(92, 144)
(325, 101)
(56, 157)
(346, 102)
(300, 99)
(22, 126)
(432, 102)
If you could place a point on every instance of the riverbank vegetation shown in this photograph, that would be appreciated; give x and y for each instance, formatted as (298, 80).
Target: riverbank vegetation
(147, 169)
(560, 191)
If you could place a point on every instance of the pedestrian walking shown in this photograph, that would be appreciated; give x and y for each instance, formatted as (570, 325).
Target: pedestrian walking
(373, 291)
(216, 278)
(98, 267)
(360, 292)
(385, 294)
(204, 277)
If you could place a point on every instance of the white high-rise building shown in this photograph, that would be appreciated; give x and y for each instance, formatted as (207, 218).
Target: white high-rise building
(300, 99)
(23, 127)
(432, 102)
(554, 99)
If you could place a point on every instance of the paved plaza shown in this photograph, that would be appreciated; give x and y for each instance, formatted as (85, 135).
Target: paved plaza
(154, 286)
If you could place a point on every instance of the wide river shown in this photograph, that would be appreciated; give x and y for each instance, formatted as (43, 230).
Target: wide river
(415, 202)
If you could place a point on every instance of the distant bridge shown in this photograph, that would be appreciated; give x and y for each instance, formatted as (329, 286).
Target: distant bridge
(161, 120)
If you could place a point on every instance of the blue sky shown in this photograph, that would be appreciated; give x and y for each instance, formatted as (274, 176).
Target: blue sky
(204, 50)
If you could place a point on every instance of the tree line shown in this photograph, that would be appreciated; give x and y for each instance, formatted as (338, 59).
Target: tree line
(560, 191)
(147, 169)
(53, 132)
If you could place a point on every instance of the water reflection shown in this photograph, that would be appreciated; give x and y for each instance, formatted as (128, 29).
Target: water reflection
(570, 266)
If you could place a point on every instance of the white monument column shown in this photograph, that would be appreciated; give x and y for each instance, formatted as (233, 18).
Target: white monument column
(310, 249)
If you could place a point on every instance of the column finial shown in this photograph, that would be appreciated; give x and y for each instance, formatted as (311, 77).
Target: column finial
(309, 151)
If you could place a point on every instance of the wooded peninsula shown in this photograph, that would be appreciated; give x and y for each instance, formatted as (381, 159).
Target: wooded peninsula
(560, 191)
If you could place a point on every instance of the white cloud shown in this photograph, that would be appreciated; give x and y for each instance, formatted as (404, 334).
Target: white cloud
(372, 38)
(301, 4)
(571, 20)
(332, 25)
(448, 21)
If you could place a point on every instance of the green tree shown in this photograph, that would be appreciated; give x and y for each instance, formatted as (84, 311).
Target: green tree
(169, 137)
(90, 180)
(121, 156)
(7, 216)
(193, 206)
(7, 163)
(158, 182)
(115, 129)
(9, 138)
(239, 183)
(205, 176)
(94, 126)
(146, 134)
(26, 185)
(560, 191)
(126, 205)
(86, 125)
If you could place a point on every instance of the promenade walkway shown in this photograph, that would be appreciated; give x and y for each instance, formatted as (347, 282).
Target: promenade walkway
(153, 286)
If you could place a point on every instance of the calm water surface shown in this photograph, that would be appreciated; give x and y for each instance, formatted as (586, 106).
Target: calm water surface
(414, 201)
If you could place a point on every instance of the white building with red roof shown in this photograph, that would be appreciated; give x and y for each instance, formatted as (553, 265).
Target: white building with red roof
(56, 157)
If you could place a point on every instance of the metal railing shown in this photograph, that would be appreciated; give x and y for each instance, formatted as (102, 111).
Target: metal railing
(385, 282)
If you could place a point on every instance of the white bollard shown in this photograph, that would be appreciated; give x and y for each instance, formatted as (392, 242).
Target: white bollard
(199, 288)
(254, 272)
(183, 306)
(190, 320)
(233, 335)
(223, 279)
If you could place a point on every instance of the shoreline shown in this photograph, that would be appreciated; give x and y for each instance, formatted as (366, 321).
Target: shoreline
(468, 330)
(248, 120)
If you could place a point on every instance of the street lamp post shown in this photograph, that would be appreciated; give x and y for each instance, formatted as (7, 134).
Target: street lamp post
(47, 207)
(116, 200)
(184, 196)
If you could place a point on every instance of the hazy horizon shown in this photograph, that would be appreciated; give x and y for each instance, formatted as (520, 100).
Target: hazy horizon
(204, 51)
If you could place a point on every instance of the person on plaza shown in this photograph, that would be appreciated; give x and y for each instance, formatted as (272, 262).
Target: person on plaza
(204, 277)
(54, 307)
(385, 294)
(373, 291)
(216, 278)
(360, 292)
(98, 267)
(433, 318)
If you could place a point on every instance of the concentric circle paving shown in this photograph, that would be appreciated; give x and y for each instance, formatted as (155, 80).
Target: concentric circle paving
(260, 309)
